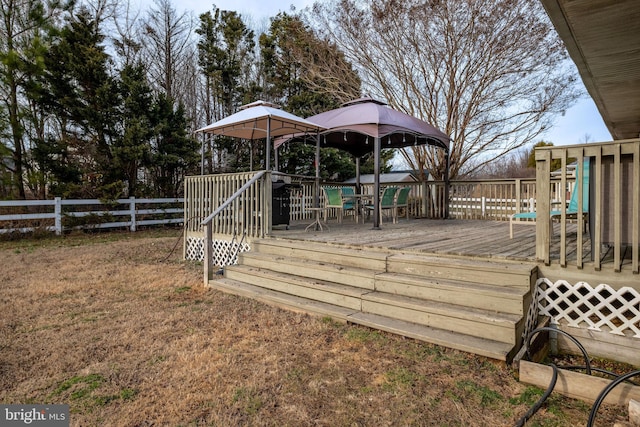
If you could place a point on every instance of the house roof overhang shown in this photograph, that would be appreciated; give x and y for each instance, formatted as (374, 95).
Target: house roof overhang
(601, 37)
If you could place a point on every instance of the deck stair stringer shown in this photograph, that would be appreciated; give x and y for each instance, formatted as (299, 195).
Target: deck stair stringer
(470, 305)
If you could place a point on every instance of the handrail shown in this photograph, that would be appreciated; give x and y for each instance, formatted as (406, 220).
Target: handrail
(234, 196)
(208, 227)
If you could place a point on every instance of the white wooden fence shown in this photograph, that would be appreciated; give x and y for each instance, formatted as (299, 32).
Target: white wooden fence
(21, 216)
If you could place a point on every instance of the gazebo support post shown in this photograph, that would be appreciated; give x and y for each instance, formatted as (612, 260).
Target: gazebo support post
(446, 185)
(358, 187)
(316, 195)
(376, 185)
(267, 162)
(202, 155)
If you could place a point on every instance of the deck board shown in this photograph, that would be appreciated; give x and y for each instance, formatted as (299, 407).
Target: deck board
(462, 238)
(485, 239)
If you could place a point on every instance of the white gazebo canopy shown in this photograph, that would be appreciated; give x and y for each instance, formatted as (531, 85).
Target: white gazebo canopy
(261, 120)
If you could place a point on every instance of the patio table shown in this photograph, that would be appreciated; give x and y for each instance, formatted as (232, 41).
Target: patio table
(360, 200)
(319, 225)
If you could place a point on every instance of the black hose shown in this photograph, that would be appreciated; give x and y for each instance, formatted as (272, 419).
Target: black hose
(178, 241)
(587, 362)
(599, 370)
(554, 378)
(605, 392)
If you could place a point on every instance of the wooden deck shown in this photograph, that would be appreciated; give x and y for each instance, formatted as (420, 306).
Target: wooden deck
(468, 238)
(475, 239)
(470, 304)
(462, 284)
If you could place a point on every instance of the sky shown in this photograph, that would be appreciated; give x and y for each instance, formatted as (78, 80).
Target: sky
(580, 123)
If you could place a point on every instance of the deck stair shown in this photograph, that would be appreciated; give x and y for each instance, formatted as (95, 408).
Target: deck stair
(473, 305)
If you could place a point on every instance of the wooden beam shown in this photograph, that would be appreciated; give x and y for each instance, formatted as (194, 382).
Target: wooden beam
(577, 385)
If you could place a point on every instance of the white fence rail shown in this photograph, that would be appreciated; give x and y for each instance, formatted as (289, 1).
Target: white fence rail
(21, 216)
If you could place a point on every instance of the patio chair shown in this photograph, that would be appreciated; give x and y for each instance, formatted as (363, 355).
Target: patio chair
(402, 201)
(571, 211)
(333, 200)
(387, 202)
(349, 203)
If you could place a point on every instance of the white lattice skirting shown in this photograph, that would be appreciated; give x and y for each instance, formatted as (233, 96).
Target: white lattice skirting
(224, 251)
(600, 309)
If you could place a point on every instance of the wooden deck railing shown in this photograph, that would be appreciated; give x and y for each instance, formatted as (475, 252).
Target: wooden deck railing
(249, 213)
(473, 199)
(614, 202)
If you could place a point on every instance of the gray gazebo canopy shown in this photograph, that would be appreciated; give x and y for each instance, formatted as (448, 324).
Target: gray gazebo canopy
(365, 125)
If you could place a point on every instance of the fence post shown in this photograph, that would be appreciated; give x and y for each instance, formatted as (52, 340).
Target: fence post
(132, 211)
(57, 211)
(484, 206)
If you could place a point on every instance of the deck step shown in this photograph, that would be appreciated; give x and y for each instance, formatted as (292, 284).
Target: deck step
(340, 274)
(502, 273)
(481, 296)
(468, 343)
(469, 304)
(455, 318)
(319, 290)
(357, 257)
(279, 299)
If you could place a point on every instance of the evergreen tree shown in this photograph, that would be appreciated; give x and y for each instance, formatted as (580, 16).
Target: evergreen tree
(287, 50)
(132, 149)
(24, 25)
(225, 51)
(86, 102)
(174, 152)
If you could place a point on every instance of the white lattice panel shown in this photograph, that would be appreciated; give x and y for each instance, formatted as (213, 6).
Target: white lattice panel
(532, 315)
(599, 308)
(195, 249)
(225, 252)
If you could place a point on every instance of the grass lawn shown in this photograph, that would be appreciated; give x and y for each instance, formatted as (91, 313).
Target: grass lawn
(117, 326)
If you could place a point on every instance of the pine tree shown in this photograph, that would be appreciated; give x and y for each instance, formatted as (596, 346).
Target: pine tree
(132, 148)
(86, 102)
(174, 152)
(24, 25)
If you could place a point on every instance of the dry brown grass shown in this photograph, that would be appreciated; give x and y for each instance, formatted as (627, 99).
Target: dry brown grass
(103, 323)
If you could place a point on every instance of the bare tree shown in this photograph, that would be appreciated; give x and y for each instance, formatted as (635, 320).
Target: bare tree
(512, 165)
(127, 41)
(168, 48)
(490, 73)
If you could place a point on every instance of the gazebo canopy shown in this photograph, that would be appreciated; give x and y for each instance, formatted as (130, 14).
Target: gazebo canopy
(366, 125)
(354, 126)
(260, 120)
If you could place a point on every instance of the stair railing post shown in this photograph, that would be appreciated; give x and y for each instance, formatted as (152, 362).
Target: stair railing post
(208, 252)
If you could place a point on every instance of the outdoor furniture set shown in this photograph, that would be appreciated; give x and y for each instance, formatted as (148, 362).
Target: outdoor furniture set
(344, 200)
